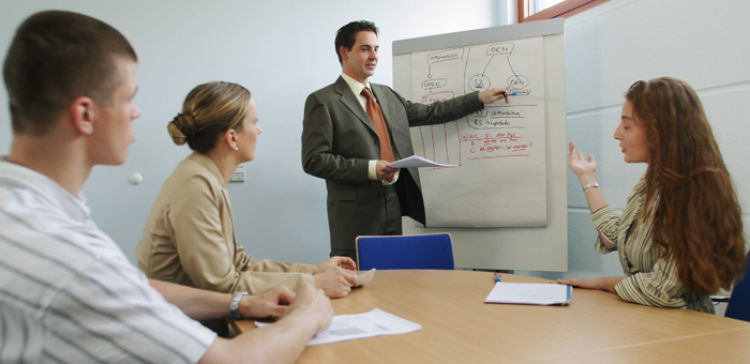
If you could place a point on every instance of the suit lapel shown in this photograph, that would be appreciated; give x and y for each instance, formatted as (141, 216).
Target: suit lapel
(346, 97)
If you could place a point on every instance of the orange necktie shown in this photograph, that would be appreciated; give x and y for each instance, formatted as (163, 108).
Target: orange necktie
(378, 122)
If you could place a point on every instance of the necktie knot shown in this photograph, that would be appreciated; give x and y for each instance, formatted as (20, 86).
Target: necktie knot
(366, 93)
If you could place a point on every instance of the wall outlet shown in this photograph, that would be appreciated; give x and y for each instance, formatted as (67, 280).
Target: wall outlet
(238, 175)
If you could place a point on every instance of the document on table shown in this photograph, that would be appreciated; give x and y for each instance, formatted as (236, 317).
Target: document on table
(417, 161)
(530, 293)
(358, 326)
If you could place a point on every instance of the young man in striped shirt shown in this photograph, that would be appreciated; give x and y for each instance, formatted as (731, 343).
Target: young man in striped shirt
(67, 293)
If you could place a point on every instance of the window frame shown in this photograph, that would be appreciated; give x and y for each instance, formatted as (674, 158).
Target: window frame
(563, 9)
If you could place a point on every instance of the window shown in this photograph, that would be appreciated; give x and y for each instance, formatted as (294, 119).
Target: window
(529, 10)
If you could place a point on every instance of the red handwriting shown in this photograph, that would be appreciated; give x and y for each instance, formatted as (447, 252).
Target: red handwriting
(445, 142)
(506, 143)
(488, 137)
(515, 148)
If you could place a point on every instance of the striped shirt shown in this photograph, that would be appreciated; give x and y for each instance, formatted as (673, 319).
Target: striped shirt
(67, 292)
(650, 279)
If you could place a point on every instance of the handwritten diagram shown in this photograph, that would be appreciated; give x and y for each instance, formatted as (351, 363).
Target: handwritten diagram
(500, 150)
(500, 130)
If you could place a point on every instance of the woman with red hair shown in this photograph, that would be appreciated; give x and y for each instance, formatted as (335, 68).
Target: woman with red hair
(680, 235)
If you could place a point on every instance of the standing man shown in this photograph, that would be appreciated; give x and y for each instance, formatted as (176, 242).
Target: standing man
(353, 129)
(67, 292)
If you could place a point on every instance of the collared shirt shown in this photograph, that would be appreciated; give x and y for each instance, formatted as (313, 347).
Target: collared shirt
(69, 294)
(650, 279)
(357, 88)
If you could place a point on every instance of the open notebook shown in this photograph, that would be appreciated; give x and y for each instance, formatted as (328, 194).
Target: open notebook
(530, 293)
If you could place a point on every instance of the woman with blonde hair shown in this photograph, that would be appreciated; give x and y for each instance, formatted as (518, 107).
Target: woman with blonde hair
(680, 235)
(189, 237)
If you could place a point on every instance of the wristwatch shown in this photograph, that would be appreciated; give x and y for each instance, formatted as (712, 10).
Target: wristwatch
(234, 305)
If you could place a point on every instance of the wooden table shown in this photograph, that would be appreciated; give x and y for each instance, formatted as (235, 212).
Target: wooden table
(457, 327)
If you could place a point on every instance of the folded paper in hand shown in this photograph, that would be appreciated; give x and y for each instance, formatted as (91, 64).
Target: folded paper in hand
(530, 293)
(417, 161)
(365, 277)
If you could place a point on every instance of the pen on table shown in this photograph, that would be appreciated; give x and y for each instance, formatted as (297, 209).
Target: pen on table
(497, 277)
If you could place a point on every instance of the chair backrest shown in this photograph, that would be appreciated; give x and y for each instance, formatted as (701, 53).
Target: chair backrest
(739, 303)
(426, 251)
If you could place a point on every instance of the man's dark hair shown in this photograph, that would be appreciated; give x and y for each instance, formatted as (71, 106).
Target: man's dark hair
(345, 37)
(55, 57)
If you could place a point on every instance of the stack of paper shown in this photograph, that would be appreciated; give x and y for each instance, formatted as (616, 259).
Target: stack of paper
(530, 293)
(357, 326)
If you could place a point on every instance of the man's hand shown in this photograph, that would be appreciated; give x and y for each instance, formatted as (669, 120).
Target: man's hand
(312, 302)
(336, 282)
(384, 172)
(334, 262)
(271, 303)
(493, 94)
(283, 342)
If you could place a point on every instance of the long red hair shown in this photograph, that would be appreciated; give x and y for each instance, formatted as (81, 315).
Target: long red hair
(697, 217)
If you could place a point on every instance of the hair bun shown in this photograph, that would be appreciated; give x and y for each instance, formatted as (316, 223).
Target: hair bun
(181, 128)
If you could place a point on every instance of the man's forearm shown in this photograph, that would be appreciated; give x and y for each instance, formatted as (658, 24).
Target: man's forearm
(198, 304)
(282, 342)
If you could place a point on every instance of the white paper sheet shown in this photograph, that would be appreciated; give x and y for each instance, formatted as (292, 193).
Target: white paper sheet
(365, 277)
(357, 326)
(417, 161)
(530, 293)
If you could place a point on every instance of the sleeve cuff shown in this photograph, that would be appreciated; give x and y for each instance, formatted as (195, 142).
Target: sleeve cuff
(307, 268)
(600, 248)
(371, 170)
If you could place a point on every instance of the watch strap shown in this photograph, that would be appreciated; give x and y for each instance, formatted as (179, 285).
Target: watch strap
(234, 305)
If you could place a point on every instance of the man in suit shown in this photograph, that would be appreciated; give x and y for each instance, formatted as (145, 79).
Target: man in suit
(350, 143)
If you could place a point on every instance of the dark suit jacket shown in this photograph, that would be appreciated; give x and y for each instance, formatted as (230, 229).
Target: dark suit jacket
(338, 141)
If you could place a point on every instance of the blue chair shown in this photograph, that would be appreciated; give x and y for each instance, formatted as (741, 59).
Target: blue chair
(427, 251)
(739, 302)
